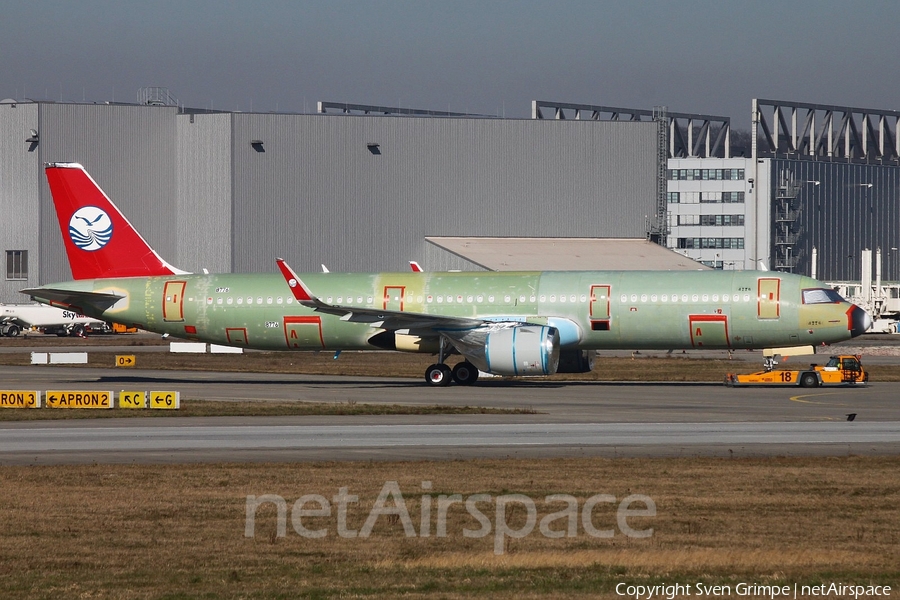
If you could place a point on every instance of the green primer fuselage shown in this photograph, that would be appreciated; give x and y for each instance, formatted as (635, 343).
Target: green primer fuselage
(613, 309)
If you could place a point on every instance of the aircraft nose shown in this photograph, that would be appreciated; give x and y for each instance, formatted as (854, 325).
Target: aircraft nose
(860, 321)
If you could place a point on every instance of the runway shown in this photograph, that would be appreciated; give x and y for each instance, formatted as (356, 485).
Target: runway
(567, 419)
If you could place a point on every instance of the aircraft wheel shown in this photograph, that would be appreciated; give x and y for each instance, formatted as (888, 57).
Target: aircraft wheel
(78, 331)
(809, 380)
(438, 375)
(465, 373)
(13, 331)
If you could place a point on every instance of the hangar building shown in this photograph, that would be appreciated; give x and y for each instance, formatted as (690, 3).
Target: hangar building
(808, 176)
(359, 190)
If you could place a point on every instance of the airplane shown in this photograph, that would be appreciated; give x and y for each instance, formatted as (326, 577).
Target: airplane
(501, 323)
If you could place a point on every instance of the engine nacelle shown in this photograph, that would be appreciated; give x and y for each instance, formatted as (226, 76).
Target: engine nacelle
(576, 361)
(415, 343)
(525, 350)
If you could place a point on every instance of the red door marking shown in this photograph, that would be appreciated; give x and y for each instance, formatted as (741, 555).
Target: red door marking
(768, 296)
(389, 302)
(236, 335)
(173, 301)
(598, 307)
(716, 327)
(298, 336)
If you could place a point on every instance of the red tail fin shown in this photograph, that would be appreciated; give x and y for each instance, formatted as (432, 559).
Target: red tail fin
(99, 240)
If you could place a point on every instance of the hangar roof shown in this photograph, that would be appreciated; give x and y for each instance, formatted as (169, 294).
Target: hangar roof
(566, 254)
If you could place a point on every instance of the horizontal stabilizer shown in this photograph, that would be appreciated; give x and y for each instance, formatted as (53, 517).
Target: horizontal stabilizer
(74, 298)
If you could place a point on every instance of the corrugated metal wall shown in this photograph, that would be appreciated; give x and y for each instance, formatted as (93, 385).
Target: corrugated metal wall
(19, 181)
(843, 215)
(204, 193)
(130, 152)
(317, 194)
(313, 192)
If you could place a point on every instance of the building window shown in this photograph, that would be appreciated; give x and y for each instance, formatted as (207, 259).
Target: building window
(721, 220)
(711, 243)
(673, 197)
(17, 264)
(706, 174)
(720, 197)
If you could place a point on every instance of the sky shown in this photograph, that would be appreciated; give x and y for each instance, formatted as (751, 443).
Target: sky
(486, 57)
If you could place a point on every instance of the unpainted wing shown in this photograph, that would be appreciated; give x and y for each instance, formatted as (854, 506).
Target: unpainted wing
(384, 319)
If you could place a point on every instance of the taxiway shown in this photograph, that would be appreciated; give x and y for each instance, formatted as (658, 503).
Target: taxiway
(567, 419)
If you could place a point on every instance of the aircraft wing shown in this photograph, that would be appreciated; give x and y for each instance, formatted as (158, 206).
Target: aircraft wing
(74, 298)
(384, 319)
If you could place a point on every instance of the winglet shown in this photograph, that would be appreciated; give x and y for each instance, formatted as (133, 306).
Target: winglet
(301, 293)
(416, 267)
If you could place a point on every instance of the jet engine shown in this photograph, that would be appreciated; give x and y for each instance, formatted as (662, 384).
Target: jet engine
(525, 350)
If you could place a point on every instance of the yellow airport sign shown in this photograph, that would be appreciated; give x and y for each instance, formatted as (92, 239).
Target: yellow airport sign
(165, 400)
(125, 360)
(79, 399)
(132, 399)
(20, 399)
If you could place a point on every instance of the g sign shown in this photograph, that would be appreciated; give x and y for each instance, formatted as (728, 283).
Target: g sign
(165, 400)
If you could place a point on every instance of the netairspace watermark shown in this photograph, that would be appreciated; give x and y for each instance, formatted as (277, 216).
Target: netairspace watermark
(392, 505)
(700, 589)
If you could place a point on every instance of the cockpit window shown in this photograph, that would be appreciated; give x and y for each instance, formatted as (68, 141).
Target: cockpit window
(821, 296)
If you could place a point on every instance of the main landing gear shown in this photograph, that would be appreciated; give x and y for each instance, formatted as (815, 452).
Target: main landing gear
(440, 374)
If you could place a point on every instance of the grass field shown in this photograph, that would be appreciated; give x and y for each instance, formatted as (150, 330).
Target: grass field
(220, 408)
(144, 531)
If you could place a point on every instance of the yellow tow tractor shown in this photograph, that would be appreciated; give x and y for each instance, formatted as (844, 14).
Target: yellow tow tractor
(840, 370)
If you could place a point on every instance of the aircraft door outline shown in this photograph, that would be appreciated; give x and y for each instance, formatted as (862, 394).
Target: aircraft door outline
(768, 298)
(709, 330)
(236, 335)
(389, 302)
(173, 301)
(599, 307)
(299, 335)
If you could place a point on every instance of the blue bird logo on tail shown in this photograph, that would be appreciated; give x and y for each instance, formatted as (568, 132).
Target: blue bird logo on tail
(90, 228)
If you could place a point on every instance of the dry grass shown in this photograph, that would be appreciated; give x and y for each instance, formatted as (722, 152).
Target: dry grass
(145, 531)
(260, 408)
